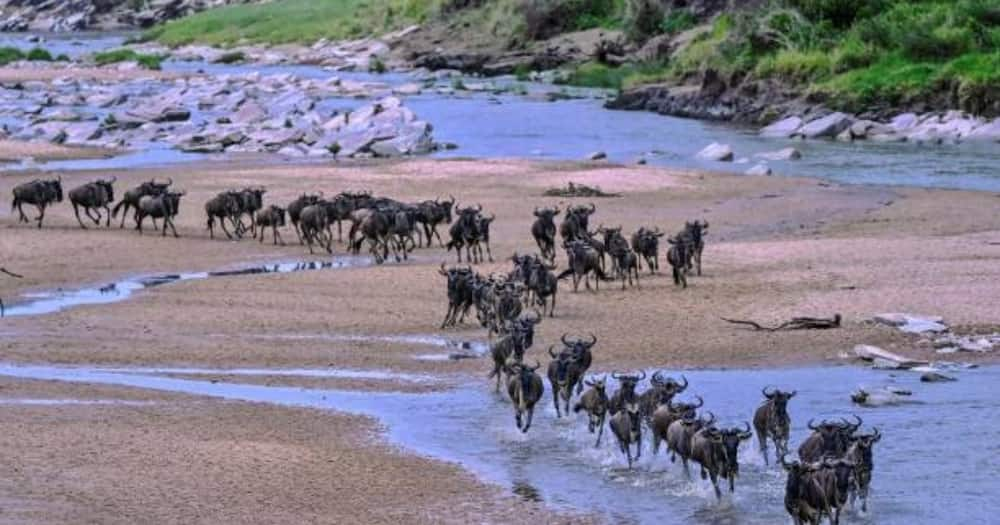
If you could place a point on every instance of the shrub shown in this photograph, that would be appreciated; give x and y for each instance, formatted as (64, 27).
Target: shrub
(796, 66)
(676, 21)
(231, 57)
(375, 65)
(642, 19)
(840, 13)
(10, 54)
(125, 55)
(39, 54)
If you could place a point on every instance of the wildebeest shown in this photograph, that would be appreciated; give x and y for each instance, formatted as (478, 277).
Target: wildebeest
(576, 222)
(860, 453)
(93, 196)
(38, 193)
(224, 206)
(834, 479)
(646, 243)
(805, 500)
(625, 261)
(595, 402)
(626, 390)
(433, 213)
(679, 435)
(131, 197)
(666, 414)
(627, 428)
(510, 348)
(828, 439)
(582, 351)
(251, 200)
(465, 233)
(583, 261)
(541, 283)
(694, 237)
(544, 231)
(565, 372)
(483, 237)
(312, 226)
(271, 217)
(717, 451)
(295, 210)
(677, 256)
(525, 388)
(459, 294)
(163, 206)
(661, 390)
(771, 421)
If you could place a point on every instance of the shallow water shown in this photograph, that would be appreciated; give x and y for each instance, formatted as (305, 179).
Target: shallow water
(39, 303)
(918, 478)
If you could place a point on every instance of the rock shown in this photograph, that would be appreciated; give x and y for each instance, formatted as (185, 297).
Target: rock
(980, 345)
(640, 161)
(986, 132)
(716, 152)
(904, 121)
(913, 324)
(597, 155)
(783, 128)
(845, 136)
(885, 359)
(934, 377)
(407, 89)
(828, 126)
(781, 154)
(759, 169)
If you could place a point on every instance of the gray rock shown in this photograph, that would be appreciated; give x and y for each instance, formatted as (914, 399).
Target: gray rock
(781, 154)
(408, 89)
(986, 132)
(935, 377)
(828, 126)
(759, 170)
(783, 128)
(904, 121)
(716, 152)
(597, 155)
(845, 136)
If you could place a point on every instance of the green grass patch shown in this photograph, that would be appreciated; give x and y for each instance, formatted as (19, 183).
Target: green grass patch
(10, 54)
(594, 75)
(231, 57)
(795, 66)
(39, 54)
(127, 55)
(292, 21)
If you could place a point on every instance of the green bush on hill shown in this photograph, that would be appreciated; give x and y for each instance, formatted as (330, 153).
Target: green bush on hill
(128, 55)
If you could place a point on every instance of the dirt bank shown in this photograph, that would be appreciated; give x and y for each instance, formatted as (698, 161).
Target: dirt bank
(19, 150)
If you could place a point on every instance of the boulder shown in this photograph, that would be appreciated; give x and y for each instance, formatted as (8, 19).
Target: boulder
(904, 121)
(783, 128)
(935, 377)
(986, 132)
(716, 152)
(885, 357)
(845, 136)
(912, 323)
(597, 155)
(828, 126)
(408, 89)
(759, 169)
(781, 154)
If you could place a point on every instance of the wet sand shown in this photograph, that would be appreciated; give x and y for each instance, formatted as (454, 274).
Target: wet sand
(19, 150)
(778, 247)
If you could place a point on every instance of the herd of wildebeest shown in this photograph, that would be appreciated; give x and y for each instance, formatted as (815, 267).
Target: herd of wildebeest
(835, 461)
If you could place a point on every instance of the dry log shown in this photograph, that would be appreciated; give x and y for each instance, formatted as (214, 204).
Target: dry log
(796, 323)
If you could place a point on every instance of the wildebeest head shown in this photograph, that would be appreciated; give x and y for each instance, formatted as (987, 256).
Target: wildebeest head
(728, 441)
(578, 346)
(834, 436)
(843, 471)
(863, 444)
(779, 399)
(108, 187)
(54, 187)
(562, 361)
(598, 384)
(524, 373)
(546, 214)
(253, 198)
(445, 206)
(151, 187)
(685, 410)
(628, 382)
(696, 230)
(523, 330)
(667, 387)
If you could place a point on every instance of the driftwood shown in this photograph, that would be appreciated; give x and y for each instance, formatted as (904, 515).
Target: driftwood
(12, 274)
(796, 323)
(578, 190)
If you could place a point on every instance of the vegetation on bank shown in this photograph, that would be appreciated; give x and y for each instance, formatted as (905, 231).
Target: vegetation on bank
(854, 53)
(13, 54)
(128, 55)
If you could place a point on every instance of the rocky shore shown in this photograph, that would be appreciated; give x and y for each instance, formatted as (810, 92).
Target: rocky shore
(57, 16)
(280, 113)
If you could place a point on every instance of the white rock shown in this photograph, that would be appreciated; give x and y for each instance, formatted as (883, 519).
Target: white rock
(783, 128)
(904, 121)
(781, 154)
(828, 126)
(871, 353)
(759, 170)
(716, 152)
(986, 132)
(408, 89)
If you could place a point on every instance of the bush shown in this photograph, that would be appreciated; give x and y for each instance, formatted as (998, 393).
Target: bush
(128, 55)
(375, 65)
(796, 66)
(642, 19)
(677, 21)
(40, 55)
(10, 54)
(63, 57)
(546, 18)
(840, 13)
(231, 57)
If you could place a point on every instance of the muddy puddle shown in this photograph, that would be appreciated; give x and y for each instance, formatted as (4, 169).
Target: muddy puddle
(918, 477)
(40, 303)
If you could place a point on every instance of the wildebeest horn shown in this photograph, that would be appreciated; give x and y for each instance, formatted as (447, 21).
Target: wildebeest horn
(684, 387)
(615, 375)
(764, 391)
(746, 433)
(551, 353)
(564, 341)
(170, 181)
(656, 379)
(442, 271)
(479, 207)
(792, 394)
(876, 436)
(593, 341)
(700, 402)
(711, 418)
(643, 376)
(811, 426)
(536, 367)
(592, 208)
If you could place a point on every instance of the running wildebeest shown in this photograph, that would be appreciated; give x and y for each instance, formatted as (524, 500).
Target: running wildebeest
(834, 479)
(771, 421)
(465, 232)
(251, 200)
(694, 236)
(565, 372)
(677, 256)
(583, 352)
(544, 231)
(624, 261)
(626, 390)
(584, 259)
(295, 211)
(483, 225)
(805, 501)
(860, 453)
(659, 393)
(313, 227)
(525, 388)
(132, 196)
(646, 243)
(666, 414)
(271, 217)
(93, 196)
(38, 193)
(510, 348)
(595, 402)
(224, 206)
(679, 435)
(828, 439)
(460, 297)
(627, 428)
(575, 224)
(717, 451)
(433, 213)
(163, 206)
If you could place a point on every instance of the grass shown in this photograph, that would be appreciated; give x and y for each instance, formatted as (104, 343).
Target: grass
(13, 54)
(592, 74)
(231, 57)
(128, 55)
(292, 21)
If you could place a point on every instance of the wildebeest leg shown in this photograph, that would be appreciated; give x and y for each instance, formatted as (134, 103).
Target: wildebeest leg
(90, 216)
(76, 211)
(237, 227)
(697, 260)
(762, 438)
(527, 423)
(715, 485)
(555, 399)
(41, 214)
(138, 222)
(340, 231)
(517, 418)
(600, 431)
(277, 235)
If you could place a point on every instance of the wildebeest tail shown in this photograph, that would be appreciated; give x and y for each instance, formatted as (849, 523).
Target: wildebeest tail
(600, 273)
(114, 211)
(565, 273)
(577, 407)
